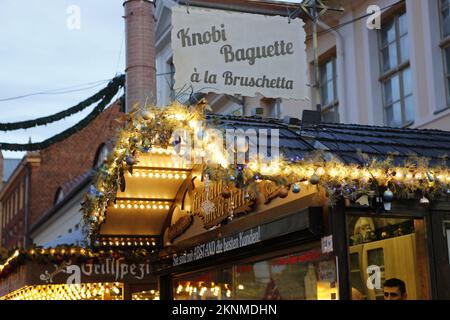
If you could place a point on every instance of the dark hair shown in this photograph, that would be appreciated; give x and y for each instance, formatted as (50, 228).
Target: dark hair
(394, 282)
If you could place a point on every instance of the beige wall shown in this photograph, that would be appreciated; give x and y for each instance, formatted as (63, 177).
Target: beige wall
(358, 70)
(359, 90)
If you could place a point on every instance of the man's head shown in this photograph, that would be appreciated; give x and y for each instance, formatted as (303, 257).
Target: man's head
(394, 289)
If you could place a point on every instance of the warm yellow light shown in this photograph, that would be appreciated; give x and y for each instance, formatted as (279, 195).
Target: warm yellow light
(240, 287)
(122, 206)
(320, 171)
(129, 206)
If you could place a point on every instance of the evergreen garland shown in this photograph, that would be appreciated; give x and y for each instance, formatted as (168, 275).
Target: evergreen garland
(106, 96)
(119, 80)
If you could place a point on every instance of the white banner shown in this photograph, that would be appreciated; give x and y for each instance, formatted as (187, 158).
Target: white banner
(239, 53)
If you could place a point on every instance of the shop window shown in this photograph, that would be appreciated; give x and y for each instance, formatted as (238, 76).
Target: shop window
(209, 285)
(328, 91)
(304, 276)
(396, 72)
(387, 248)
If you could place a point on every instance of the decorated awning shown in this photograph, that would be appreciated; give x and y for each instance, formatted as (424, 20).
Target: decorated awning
(162, 152)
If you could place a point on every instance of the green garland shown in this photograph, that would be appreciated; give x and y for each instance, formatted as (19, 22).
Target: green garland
(119, 80)
(109, 92)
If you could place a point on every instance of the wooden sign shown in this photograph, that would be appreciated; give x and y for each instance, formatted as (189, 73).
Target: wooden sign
(213, 208)
(179, 227)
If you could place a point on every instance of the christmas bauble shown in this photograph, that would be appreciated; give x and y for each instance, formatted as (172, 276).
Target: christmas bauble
(147, 115)
(129, 160)
(314, 179)
(92, 190)
(296, 188)
(283, 193)
(388, 196)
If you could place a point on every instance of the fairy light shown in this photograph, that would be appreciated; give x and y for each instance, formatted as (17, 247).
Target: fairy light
(84, 291)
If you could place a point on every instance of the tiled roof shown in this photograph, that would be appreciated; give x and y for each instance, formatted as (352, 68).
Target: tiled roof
(347, 140)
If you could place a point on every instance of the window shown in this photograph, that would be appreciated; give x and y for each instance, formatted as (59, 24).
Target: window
(396, 72)
(59, 196)
(444, 8)
(328, 90)
(300, 276)
(101, 156)
(170, 78)
(382, 248)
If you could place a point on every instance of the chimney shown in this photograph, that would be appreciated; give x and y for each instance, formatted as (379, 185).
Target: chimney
(140, 53)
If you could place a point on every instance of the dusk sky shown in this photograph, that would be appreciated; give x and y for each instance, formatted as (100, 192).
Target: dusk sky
(40, 53)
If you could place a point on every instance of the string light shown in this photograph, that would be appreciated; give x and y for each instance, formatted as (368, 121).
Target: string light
(142, 204)
(157, 174)
(84, 291)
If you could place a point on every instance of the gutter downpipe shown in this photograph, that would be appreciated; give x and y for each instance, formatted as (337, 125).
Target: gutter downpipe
(340, 65)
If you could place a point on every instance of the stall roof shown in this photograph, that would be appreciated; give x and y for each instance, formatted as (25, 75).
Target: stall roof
(347, 140)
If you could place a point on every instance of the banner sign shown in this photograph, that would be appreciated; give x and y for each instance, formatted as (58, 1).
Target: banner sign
(239, 53)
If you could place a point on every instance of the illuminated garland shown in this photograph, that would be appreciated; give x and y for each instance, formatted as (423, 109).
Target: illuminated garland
(57, 255)
(107, 94)
(153, 128)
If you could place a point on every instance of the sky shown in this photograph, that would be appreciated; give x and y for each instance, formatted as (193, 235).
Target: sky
(41, 51)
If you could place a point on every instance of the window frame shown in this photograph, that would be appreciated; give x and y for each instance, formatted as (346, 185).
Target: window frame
(444, 45)
(397, 70)
(335, 103)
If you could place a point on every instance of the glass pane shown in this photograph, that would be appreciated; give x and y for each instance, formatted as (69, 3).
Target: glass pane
(409, 109)
(404, 48)
(327, 92)
(388, 33)
(407, 83)
(448, 90)
(376, 258)
(304, 276)
(330, 90)
(391, 90)
(209, 285)
(394, 115)
(389, 56)
(403, 24)
(447, 59)
(446, 22)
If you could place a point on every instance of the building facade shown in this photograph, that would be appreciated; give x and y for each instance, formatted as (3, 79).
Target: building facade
(37, 184)
(391, 74)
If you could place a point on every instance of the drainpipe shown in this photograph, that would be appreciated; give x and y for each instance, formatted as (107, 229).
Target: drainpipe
(340, 65)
